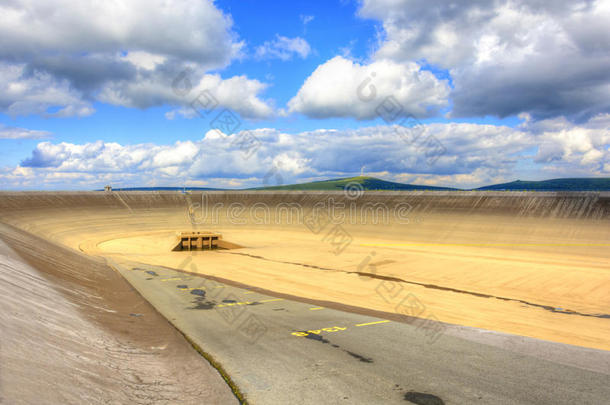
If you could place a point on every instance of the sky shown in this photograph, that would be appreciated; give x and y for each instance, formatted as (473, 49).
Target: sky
(247, 93)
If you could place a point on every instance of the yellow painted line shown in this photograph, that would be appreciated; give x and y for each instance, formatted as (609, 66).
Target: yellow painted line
(315, 309)
(250, 292)
(483, 244)
(232, 304)
(275, 299)
(318, 331)
(172, 279)
(372, 323)
(190, 289)
(220, 286)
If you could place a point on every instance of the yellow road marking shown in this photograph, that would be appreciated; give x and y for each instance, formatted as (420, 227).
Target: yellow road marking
(274, 299)
(318, 331)
(172, 279)
(372, 323)
(250, 292)
(231, 304)
(315, 309)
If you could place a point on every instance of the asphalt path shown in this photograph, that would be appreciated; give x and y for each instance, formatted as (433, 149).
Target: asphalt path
(279, 350)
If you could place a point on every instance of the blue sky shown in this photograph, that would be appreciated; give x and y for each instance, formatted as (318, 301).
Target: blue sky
(491, 92)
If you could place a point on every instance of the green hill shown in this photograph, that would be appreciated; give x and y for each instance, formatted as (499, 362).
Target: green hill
(366, 183)
(574, 184)
(372, 183)
(163, 189)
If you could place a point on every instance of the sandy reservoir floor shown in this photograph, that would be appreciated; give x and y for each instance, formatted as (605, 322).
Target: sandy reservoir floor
(527, 264)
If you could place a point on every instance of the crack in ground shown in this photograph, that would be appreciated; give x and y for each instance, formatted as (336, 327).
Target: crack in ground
(549, 308)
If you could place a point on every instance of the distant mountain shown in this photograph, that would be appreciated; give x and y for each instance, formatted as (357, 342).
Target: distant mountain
(574, 184)
(366, 183)
(372, 183)
(163, 189)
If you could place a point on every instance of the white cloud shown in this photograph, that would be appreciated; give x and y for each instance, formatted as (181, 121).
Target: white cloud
(7, 132)
(567, 145)
(283, 48)
(343, 88)
(547, 58)
(191, 30)
(184, 112)
(471, 155)
(58, 57)
(238, 93)
(144, 60)
(180, 153)
(23, 93)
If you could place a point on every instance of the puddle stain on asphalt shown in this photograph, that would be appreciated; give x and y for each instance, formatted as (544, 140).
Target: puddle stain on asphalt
(320, 338)
(359, 357)
(421, 398)
(199, 303)
(317, 338)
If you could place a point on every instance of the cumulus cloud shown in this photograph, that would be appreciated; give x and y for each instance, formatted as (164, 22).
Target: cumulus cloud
(566, 146)
(343, 88)
(7, 132)
(186, 29)
(284, 48)
(238, 93)
(58, 57)
(506, 57)
(23, 92)
(470, 155)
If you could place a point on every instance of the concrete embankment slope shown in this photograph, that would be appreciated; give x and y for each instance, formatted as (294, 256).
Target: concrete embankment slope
(73, 331)
(579, 205)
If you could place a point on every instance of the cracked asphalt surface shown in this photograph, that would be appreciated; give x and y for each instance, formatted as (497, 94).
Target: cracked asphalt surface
(283, 351)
